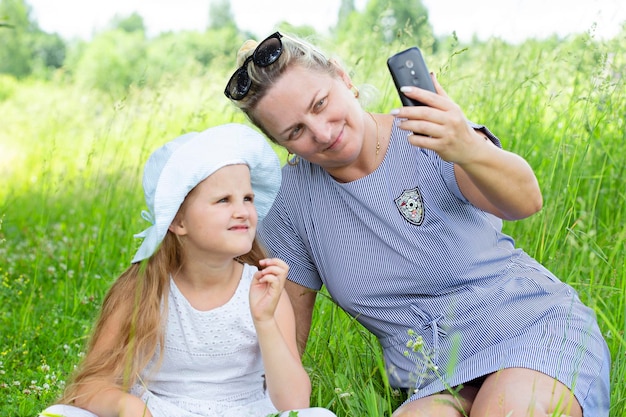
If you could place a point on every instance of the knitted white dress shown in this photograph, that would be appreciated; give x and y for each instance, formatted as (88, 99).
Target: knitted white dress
(212, 364)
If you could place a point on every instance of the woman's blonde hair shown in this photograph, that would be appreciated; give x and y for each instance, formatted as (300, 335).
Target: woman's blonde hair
(139, 298)
(295, 52)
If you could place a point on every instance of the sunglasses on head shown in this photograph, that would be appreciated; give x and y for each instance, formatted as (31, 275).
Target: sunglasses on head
(266, 53)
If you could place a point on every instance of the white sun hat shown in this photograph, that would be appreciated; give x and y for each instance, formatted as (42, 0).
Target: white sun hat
(174, 169)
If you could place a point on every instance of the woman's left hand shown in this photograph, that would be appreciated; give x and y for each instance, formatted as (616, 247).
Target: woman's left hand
(439, 125)
(492, 179)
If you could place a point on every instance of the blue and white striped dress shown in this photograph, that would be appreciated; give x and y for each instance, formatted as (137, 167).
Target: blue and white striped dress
(402, 249)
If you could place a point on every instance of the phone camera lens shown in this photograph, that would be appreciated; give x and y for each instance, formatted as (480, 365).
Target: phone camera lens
(409, 63)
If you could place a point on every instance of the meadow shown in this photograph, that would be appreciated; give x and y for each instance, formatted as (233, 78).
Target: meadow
(70, 201)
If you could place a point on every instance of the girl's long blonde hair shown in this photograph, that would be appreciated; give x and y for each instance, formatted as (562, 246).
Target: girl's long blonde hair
(139, 298)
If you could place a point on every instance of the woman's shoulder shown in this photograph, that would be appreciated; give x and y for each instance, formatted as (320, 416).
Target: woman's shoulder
(302, 178)
(301, 169)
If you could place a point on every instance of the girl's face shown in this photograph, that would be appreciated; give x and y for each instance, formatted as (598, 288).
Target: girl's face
(218, 218)
(314, 115)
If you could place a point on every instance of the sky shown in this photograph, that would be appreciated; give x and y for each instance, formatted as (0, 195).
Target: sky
(510, 20)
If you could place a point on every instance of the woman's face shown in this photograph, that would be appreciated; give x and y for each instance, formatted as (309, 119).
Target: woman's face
(314, 115)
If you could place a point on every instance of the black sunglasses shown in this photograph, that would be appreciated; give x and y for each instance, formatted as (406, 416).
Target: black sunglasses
(266, 53)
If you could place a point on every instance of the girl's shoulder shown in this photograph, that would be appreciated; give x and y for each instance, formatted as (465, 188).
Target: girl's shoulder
(248, 272)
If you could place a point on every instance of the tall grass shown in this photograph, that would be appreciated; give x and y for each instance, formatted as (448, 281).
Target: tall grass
(70, 166)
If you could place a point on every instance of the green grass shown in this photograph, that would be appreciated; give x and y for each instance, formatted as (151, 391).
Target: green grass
(70, 199)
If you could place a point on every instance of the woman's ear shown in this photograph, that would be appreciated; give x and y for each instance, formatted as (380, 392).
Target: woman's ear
(343, 74)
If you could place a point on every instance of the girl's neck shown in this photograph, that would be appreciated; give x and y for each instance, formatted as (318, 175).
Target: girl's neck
(208, 286)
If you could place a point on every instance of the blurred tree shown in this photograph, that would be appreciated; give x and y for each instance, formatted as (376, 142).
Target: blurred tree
(365, 39)
(221, 15)
(112, 61)
(302, 31)
(50, 50)
(16, 54)
(26, 48)
(387, 22)
(8, 84)
(191, 52)
(131, 23)
(345, 9)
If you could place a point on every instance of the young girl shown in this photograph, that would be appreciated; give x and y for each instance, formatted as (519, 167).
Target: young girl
(199, 324)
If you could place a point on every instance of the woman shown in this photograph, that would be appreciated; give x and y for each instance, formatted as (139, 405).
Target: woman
(405, 232)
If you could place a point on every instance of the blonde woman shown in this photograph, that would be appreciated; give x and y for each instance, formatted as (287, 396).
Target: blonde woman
(405, 233)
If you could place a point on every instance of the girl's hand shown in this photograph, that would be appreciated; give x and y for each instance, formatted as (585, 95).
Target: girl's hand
(267, 287)
(440, 125)
(288, 383)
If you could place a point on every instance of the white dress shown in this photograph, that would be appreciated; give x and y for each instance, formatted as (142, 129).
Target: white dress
(212, 363)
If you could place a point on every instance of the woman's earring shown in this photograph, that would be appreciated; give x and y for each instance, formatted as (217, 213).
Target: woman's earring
(292, 159)
(355, 91)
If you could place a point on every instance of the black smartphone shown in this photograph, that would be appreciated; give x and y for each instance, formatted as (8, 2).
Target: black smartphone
(408, 68)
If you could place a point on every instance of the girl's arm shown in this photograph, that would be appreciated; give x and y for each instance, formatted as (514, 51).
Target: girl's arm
(288, 383)
(102, 396)
(492, 179)
(303, 302)
(112, 402)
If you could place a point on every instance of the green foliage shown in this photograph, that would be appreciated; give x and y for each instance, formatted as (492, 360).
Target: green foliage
(112, 62)
(25, 48)
(116, 60)
(393, 19)
(221, 16)
(16, 55)
(384, 28)
(303, 31)
(8, 85)
(345, 10)
(50, 50)
(384, 22)
(71, 156)
(191, 53)
(132, 23)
